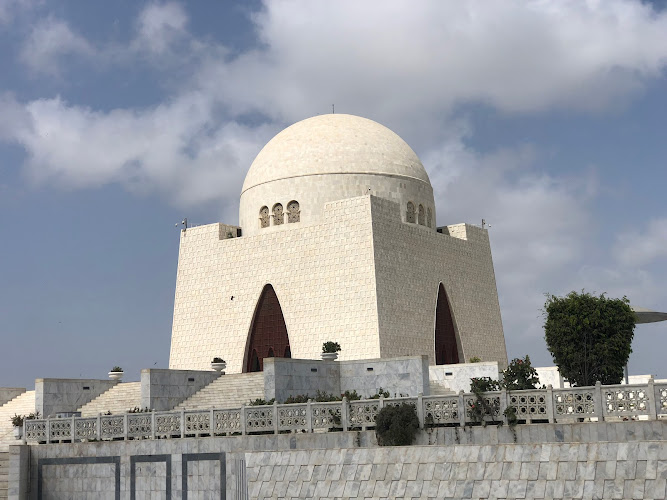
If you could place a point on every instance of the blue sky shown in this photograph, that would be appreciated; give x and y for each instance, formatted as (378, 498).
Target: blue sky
(118, 119)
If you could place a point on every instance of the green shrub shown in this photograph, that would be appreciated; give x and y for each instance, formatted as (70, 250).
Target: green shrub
(299, 398)
(520, 375)
(475, 359)
(352, 396)
(396, 425)
(262, 402)
(483, 384)
(380, 394)
(116, 369)
(330, 347)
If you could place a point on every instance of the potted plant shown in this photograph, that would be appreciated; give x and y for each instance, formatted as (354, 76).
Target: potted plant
(17, 422)
(116, 373)
(219, 365)
(330, 351)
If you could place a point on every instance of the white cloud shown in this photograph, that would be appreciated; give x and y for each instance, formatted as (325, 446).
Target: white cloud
(175, 149)
(50, 41)
(9, 9)
(642, 246)
(160, 25)
(394, 60)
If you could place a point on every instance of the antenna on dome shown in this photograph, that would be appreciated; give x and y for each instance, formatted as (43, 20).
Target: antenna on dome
(333, 109)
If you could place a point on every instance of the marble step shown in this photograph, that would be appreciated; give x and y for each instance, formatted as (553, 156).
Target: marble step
(23, 404)
(227, 391)
(118, 399)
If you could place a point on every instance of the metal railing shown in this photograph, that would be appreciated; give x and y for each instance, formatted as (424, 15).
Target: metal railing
(609, 402)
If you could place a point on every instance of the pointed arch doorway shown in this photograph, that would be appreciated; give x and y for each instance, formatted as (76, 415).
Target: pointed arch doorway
(268, 332)
(446, 346)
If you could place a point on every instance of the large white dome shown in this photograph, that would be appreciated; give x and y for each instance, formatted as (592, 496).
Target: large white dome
(332, 157)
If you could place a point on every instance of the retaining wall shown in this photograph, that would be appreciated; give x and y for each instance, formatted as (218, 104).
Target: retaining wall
(578, 460)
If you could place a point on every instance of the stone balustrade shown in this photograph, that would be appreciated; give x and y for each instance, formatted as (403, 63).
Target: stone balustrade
(601, 403)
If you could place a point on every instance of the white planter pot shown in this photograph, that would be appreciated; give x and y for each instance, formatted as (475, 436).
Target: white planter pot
(115, 375)
(18, 432)
(329, 356)
(219, 367)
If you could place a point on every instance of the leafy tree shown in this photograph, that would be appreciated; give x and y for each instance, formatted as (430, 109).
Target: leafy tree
(520, 375)
(589, 337)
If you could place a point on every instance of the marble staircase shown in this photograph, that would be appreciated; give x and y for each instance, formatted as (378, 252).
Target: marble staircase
(118, 399)
(227, 391)
(22, 404)
(440, 389)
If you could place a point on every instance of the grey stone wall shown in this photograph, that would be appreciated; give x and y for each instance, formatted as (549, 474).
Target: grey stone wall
(290, 377)
(407, 376)
(457, 377)
(582, 460)
(162, 389)
(59, 395)
(599, 470)
(9, 393)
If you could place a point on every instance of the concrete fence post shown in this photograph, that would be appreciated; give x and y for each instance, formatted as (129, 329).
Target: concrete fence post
(275, 417)
(597, 401)
(182, 422)
(504, 403)
(344, 413)
(211, 423)
(125, 426)
(48, 430)
(152, 425)
(99, 427)
(420, 409)
(309, 416)
(72, 433)
(462, 409)
(551, 414)
(652, 405)
(243, 420)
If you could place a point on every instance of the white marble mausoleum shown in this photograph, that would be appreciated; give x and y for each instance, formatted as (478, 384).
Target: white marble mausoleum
(337, 240)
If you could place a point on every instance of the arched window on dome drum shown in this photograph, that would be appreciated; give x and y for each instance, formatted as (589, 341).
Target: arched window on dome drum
(421, 215)
(446, 346)
(410, 213)
(268, 331)
(264, 218)
(278, 217)
(429, 217)
(293, 214)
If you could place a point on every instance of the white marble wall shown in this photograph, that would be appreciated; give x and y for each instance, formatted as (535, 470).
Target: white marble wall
(362, 277)
(406, 376)
(542, 471)
(162, 389)
(457, 377)
(57, 395)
